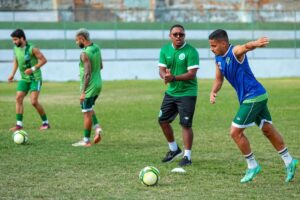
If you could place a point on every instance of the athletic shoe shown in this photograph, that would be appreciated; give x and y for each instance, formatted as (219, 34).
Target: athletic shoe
(15, 128)
(171, 155)
(97, 137)
(185, 162)
(250, 174)
(45, 127)
(82, 143)
(291, 169)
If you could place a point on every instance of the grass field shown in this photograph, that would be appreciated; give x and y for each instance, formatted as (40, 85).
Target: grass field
(50, 168)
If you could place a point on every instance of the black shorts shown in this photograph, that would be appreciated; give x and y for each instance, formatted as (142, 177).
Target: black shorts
(171, 106)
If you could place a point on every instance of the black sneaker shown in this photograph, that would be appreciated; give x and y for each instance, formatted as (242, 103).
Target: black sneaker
(185, 162)
(171, 155)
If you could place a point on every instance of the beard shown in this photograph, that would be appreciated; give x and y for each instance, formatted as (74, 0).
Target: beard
(18, 44)
(81, 46)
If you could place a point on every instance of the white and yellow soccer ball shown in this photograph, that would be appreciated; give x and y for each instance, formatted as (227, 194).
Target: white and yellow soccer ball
(149, 176)
(20, 137)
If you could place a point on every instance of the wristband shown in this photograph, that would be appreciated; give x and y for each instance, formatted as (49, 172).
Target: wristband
(173, 79)
(33, 68)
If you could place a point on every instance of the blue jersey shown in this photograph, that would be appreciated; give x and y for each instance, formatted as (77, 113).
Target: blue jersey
(239, 75)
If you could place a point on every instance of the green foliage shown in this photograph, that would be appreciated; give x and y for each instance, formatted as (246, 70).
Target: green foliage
(50, 168)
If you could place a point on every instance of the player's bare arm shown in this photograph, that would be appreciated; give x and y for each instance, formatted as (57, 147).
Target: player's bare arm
(41, 61)
(87, 74)
(189, 75)
(240, 50)
(162, 72)
(217, 85)
(15, 68)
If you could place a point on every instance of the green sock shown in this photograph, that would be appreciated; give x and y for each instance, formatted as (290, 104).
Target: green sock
(95, 120)
(44, 117)
(19, 117)
(87, 133)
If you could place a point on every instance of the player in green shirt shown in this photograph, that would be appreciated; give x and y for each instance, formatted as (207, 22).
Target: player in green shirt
(28, 59)
(178, 65)
(90, 85)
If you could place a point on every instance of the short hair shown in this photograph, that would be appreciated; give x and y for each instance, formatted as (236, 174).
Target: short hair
(176, 26)
(19, 33)
(219, 34)
(84, 33)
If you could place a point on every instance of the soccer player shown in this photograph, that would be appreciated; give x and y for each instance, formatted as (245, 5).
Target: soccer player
(178, 65)
(90, 85)
(232, 63)
(28, 59)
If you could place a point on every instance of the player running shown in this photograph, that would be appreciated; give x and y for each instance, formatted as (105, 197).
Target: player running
(232, 63)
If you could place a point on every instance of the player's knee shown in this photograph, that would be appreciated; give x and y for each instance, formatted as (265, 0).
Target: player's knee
(235, 133)
(267, 130)
(34, 103)
(19, 99)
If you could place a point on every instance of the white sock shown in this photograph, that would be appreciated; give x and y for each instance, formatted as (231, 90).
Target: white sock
(19, 123)
(173, 146)
(45, 122)
(251, 162)
(98, 130)
(86, 139)
(187, 153)
(285, 155)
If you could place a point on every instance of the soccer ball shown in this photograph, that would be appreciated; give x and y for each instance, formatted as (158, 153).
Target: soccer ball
(149, 176)
(20, 137)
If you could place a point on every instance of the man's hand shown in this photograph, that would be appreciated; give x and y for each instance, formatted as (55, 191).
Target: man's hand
(261, 42)
(28, 71)
(213, 97)
(82, 97)
(10, 78)
(168, 76)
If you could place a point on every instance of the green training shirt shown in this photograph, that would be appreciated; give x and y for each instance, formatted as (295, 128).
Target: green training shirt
(95, 84)
(179, 61)
(26, 60)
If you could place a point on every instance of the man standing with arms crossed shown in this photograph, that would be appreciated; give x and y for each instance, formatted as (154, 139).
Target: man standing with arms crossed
(29, 60)
(178, 65)
(232, 63)
(90, 85)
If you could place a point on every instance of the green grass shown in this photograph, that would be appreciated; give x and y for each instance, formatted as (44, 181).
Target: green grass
(50, 168)
(136, 44)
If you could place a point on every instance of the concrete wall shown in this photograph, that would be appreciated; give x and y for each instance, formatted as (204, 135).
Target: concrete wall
(120, 70)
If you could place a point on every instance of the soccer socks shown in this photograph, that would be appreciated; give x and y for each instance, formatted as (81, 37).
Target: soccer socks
(173, 146)
(95, 121)
(87, 133)
(251, 162)
(44, 119)
(285, 155)
(19, 118)
(187, 153)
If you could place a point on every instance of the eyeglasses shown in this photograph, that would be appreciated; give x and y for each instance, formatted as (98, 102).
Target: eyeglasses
(178, 34)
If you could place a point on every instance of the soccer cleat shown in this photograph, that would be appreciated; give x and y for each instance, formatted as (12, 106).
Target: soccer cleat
(45, 127)
(291, 169)
(15, 128)
(82, 143)
(97, 137)
(185, 161)
(171, 155)
(250, 174)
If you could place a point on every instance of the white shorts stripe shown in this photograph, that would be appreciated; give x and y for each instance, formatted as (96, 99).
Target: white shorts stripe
(262, 122)
(242, 126)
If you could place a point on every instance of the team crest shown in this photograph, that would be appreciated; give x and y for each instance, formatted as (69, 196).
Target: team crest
(227, 60)
(181, 56)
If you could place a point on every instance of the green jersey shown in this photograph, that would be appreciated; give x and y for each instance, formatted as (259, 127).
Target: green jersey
(95, 84)
(26, 60)
(179, 61)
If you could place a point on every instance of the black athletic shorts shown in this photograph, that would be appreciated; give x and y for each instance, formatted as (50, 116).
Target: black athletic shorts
(171, 106)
